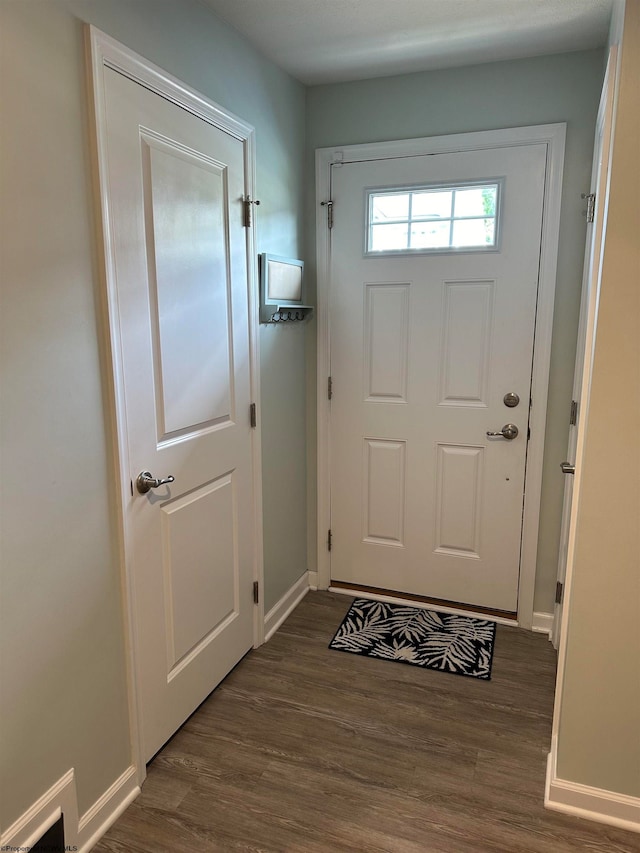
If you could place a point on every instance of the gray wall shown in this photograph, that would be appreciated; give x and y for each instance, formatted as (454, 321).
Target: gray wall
(599, 722)
(560, 88)
(64, 692)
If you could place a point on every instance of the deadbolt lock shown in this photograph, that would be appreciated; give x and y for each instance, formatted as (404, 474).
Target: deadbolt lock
(511, 399)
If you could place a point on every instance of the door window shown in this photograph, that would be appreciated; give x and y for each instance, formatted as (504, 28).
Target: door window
(433, 218)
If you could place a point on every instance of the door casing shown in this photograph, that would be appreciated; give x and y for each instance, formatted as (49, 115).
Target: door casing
(600, 177)
(553, 135)
(104, 52)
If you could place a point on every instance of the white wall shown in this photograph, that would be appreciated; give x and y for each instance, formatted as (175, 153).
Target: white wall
(599, 699)
(63, 675)
(560, 88)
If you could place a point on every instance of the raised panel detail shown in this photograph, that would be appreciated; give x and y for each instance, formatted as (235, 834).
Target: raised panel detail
(458, 496)
(200, 568)
(466, 343)
(386, 345)
(384, 492)
(187, 251)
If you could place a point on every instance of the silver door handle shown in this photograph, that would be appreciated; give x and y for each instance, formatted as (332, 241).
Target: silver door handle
(508, 431)
(567, 468)
(146, 481)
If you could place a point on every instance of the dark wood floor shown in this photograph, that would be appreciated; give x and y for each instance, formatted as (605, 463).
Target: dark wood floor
(306, 749)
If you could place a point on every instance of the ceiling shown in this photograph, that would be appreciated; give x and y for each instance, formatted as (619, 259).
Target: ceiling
(330, 41)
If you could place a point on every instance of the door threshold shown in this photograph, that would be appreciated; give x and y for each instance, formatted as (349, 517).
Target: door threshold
(501, 617)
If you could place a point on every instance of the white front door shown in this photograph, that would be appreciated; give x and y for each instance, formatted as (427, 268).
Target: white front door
(175, 186)
(434, 280)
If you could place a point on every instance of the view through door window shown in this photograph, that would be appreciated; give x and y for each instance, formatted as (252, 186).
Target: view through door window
(435, 218)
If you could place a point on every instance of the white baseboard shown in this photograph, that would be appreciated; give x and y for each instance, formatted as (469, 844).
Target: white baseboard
(107, 809)
(81, 833)
(32, 825)
(543, 623)
(287, 604)
(313, 580)
(596, 804)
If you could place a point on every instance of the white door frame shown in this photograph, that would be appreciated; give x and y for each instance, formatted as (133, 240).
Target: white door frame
(594, 259)
(553, 135)
(600, 177)
(104, 52)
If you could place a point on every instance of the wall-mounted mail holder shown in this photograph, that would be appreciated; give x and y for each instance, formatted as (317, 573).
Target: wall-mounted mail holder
(281, 290)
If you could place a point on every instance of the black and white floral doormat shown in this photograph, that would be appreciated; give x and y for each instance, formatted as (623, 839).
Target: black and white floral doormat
(459, 644)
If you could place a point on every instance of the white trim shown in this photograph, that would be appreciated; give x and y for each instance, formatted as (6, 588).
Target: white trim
(423, 605)
(594, 253)
(584, 801)
(107, 52)
(313, 581)
(606, 114)
(104, 52)
(553, 135)
(542, 623)
(324, 157)
(287, 604)
(38, 818)
(616, 28)
(107, 809)
(254, 371)
(61, 799)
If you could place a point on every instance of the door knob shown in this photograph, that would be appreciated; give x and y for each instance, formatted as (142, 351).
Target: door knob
(567, 468)
(146, 481)
(508, 431)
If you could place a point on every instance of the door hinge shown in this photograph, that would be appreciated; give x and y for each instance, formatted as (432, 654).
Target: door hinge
(247, 201)
(590, 212)
(329, 540)
(329, 206)
(559, 590)
(329, 388)
(256, 592)
(573, 418)
(253, 416)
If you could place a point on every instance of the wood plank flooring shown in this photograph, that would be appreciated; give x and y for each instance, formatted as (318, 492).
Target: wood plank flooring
(308, 750)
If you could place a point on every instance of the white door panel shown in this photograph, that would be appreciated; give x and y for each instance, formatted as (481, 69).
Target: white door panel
(176, 186)
(185, 203)
(423, 349)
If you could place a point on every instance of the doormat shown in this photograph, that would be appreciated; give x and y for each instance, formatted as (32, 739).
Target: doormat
(462, 645)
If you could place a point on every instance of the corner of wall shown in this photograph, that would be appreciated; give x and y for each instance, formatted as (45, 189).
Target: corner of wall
(81, 831)
(587, 802)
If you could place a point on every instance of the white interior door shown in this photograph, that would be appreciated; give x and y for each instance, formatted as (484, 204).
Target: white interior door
(176, 185)
(586, 329)
(426, 341)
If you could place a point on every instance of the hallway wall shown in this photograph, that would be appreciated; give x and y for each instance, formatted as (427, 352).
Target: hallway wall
(599, 699)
